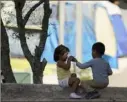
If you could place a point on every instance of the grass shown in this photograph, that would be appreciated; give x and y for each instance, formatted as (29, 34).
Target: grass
(21, 65)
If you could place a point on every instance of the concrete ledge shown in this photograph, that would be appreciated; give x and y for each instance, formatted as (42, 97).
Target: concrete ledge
(49, 93)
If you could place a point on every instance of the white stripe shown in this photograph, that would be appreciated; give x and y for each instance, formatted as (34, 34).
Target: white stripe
(112, 9)
(79, 31)
(61, 20)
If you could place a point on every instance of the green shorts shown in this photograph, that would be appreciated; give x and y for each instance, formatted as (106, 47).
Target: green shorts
(96, 85)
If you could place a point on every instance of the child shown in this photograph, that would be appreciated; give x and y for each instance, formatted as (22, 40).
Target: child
(100, 68)
(65, 78)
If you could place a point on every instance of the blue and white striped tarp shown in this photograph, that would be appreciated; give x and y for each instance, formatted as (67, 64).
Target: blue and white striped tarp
(88, 35)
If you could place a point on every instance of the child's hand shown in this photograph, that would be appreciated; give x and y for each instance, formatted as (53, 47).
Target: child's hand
(70, 58)
(74, 59)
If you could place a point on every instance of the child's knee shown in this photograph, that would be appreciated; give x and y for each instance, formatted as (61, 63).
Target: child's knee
(99, 86)
(74, 80)
(77, 80)
(73, 75)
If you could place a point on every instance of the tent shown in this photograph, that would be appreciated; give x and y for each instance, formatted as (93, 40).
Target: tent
(99, 24)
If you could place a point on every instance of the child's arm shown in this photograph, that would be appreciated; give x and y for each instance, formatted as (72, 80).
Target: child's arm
(84, 65)
(109, 70)
(63, 65)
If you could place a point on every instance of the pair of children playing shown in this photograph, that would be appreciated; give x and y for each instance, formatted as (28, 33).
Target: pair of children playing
(100, 69)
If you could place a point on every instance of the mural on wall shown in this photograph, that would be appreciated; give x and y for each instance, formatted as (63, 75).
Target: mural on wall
(99, 24)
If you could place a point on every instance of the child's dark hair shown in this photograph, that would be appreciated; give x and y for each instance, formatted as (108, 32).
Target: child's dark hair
(112, 1)
(60, 50)
(99, 48)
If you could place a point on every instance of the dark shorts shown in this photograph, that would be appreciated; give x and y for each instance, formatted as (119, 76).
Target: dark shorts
(96, 85)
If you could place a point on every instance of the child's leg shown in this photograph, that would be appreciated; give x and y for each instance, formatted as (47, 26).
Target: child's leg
(95, 85)
(74, 83)
(80, 87)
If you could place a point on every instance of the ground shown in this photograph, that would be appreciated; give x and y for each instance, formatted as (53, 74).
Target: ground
(50, 93)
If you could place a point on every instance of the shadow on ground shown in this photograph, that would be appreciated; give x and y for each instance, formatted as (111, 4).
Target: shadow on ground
(49, 93)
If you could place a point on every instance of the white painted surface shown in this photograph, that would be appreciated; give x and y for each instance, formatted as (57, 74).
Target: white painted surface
(104, 31)
(79, 30)
(61, 20)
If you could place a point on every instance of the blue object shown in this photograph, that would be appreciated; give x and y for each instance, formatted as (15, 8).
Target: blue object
(120, 34)
(88, 39)
(70, 28)
(70, 36)
(88, 35)
(51, 42)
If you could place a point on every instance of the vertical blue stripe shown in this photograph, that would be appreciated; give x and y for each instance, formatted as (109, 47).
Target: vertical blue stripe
(120, 34)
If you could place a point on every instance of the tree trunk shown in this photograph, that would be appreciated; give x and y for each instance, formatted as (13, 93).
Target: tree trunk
(37, 75)
(37, 79)
(38, 69)
(34, 60)
(5, 58)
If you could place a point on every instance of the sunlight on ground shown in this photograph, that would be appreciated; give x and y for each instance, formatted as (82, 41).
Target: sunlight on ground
(23, 65)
